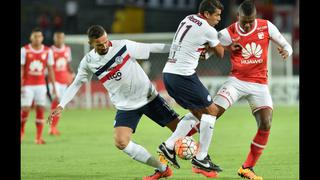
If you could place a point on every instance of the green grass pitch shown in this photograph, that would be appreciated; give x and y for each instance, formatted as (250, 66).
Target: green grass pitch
(85, 150)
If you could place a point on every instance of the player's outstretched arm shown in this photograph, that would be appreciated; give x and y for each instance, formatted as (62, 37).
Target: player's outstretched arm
(284, 48)
(55, 112)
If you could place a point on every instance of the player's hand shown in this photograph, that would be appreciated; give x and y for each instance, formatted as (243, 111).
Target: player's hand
(283, 53)
(236, 47)
(55, 112)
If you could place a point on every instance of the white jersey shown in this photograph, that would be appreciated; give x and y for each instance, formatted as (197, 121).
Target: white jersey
(128, 85)
(188, 42)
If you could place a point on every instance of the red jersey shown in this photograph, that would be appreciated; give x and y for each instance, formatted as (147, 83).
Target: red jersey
(35, 63)
(251, 63)
(62, 56)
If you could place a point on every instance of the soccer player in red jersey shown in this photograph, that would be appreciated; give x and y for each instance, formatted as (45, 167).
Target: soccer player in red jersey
(62, 70)
(248, 77)
(35, 59)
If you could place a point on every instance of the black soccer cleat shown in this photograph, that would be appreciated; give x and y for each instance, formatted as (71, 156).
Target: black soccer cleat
(169, 155)
(205, 164)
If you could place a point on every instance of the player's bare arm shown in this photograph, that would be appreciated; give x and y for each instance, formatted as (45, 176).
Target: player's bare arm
(55, 112)
(284, 53)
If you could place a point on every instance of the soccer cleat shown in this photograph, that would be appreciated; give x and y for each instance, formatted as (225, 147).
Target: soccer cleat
(40, 141)
(169, 155)
(209, 174)
(157, 174)
(206, 164)
(248, 173)
(54, 132)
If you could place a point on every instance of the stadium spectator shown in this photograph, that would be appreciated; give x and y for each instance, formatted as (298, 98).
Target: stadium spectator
(248, 78)
(183, 84)
(132, 93)
(62, 71)
(35, 59)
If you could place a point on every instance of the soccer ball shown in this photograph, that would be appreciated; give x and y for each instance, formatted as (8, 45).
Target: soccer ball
(186, 147)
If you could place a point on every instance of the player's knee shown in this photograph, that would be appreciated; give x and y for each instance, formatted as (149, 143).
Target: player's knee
(265, 124)
(121, 142)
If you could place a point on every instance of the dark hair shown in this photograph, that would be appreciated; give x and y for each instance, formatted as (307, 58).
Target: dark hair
(36, 29)
(58, 32)
(210, 5)
(95, 31)
(247, 7)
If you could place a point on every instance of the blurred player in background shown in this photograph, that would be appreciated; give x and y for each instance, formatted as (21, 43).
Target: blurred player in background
(62, 72)
(132, 93)
(35, 59)
(182, 83)
(248, 78)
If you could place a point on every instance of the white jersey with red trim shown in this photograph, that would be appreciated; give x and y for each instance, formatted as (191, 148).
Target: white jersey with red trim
(188, 43)
(127, 84)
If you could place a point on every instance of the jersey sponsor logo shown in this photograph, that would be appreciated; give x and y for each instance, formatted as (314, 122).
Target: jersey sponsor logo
(30, 56)
(252, 50)
(116, 76)
(260, 35)
(36, 67)
(262, 28)
(61, 64)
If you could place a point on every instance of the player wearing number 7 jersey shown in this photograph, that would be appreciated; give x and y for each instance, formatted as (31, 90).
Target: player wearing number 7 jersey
(183, 84)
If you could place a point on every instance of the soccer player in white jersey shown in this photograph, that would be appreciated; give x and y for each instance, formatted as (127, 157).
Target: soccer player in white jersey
(131, 91)
(248, 77)
(183, 84)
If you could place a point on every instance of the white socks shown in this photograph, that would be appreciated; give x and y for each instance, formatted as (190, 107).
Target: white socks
(183, 128)
(206, 130)
(139, 153)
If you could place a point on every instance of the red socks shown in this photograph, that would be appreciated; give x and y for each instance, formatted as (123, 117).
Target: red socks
(39, 122)
(56, 118)
(24, 118)
(257, 145)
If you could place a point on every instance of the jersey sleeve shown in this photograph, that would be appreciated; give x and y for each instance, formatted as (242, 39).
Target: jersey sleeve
(84, 75)
(50, 57)
(23, 56)
(70, 55)
(212, 37)
(224, 37)
(278, 38)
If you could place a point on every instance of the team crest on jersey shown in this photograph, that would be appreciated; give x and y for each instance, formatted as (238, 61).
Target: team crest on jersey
(36, 66)
(61, 64)
(118, 60)
(43, 56)
(66, 54)
(251, 49)
(30, 56)
(260, 35)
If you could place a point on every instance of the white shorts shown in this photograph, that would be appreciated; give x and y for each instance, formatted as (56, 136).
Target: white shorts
(60, 88)
(257, 95)
(38, 93)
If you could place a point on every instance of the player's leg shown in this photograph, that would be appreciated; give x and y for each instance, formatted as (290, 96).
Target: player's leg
(261, 104)
(125, 125)
(40, 100)
(225, 97)
(53, 127)
(27, 96)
